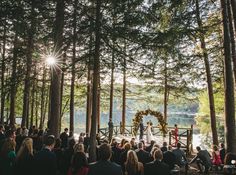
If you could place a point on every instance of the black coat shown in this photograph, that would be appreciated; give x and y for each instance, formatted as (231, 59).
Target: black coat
(143, 156)
(24, 166)
(170, 159)
(104, 168)
(45, 163)
(156, 168)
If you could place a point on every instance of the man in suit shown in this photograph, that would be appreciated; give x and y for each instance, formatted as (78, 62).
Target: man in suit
(141, 129)
(157, 167)
(104, 166)
(169, 158)
(45, 160)
(64, 138)
(203, 158)
(222, 152)
(143, 156)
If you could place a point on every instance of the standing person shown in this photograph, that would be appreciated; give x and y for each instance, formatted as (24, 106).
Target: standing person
(141, 129)
(7, 157)
(79, 164)
(222, 152)
(110, 127)
(2, 134)
(157, 166)
(24, 158)
(64, 138)
(45, 160)
(176, 134)
(104, 166)
(132, 165)
(149, 132)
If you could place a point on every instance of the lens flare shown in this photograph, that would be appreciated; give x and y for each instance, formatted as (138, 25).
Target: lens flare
(51, 60)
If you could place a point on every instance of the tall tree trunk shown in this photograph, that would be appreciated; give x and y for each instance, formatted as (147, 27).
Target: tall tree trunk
(99, 102)
(12, 116)
(55, 112)
(165, 93)
(89, 100)
(231, 29)
(111, 93)
(30, 48)
(92, 151)
(42, 99)
(3, 73)
(233, 7)
(229, 84)
(62, 89)
(36, 102)
(46, 105)
(208, 75)
(124, 97)
(72, 87)
(32, 103)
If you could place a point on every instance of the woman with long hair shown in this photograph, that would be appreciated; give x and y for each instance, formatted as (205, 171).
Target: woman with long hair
(79, 147)
(79, 164)
(216, 160)
(132, 165)
(7, 157)
(24, 158)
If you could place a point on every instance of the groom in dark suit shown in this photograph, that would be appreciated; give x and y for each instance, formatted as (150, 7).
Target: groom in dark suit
(141, 129)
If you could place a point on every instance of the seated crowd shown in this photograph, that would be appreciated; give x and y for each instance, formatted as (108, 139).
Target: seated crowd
(35, 152)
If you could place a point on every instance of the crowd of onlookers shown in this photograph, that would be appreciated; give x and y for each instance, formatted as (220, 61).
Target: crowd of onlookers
(33, 151)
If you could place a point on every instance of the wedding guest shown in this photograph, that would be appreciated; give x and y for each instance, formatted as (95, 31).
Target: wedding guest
(59, 155)
(81, 138)
(133, 144)
(203, 158)
(79, 164)
(123, 155)
(86, 142)
(7, 157)
(24, 158)
(67, 156)
(181, 159)
(143, 156)
(45, 160)
(132, 165)
(149, 148)
(104, 166)
(169, 158)
(64, 138)
(157, 165)
(222, 152)
(216, 159)
(164, 147)
(176, 134)
(2, 134)
(116, 152)
(79, 148)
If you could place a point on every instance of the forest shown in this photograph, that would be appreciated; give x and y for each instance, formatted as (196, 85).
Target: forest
(60, 55)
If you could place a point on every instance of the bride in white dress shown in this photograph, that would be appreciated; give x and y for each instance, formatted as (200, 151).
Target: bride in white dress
(149, 132)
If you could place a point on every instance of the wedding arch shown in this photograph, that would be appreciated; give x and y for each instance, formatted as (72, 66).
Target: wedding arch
(139, 116)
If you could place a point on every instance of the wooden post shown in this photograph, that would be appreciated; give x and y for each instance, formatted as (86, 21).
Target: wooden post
(191, 135)
(188, 138)
(169, 138)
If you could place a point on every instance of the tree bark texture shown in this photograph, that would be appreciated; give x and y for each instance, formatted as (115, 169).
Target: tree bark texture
(92, 151)
(55, 112)
(229, 84)
(208, 76)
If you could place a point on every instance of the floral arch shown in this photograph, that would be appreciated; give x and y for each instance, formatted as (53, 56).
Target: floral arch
(139, 115)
